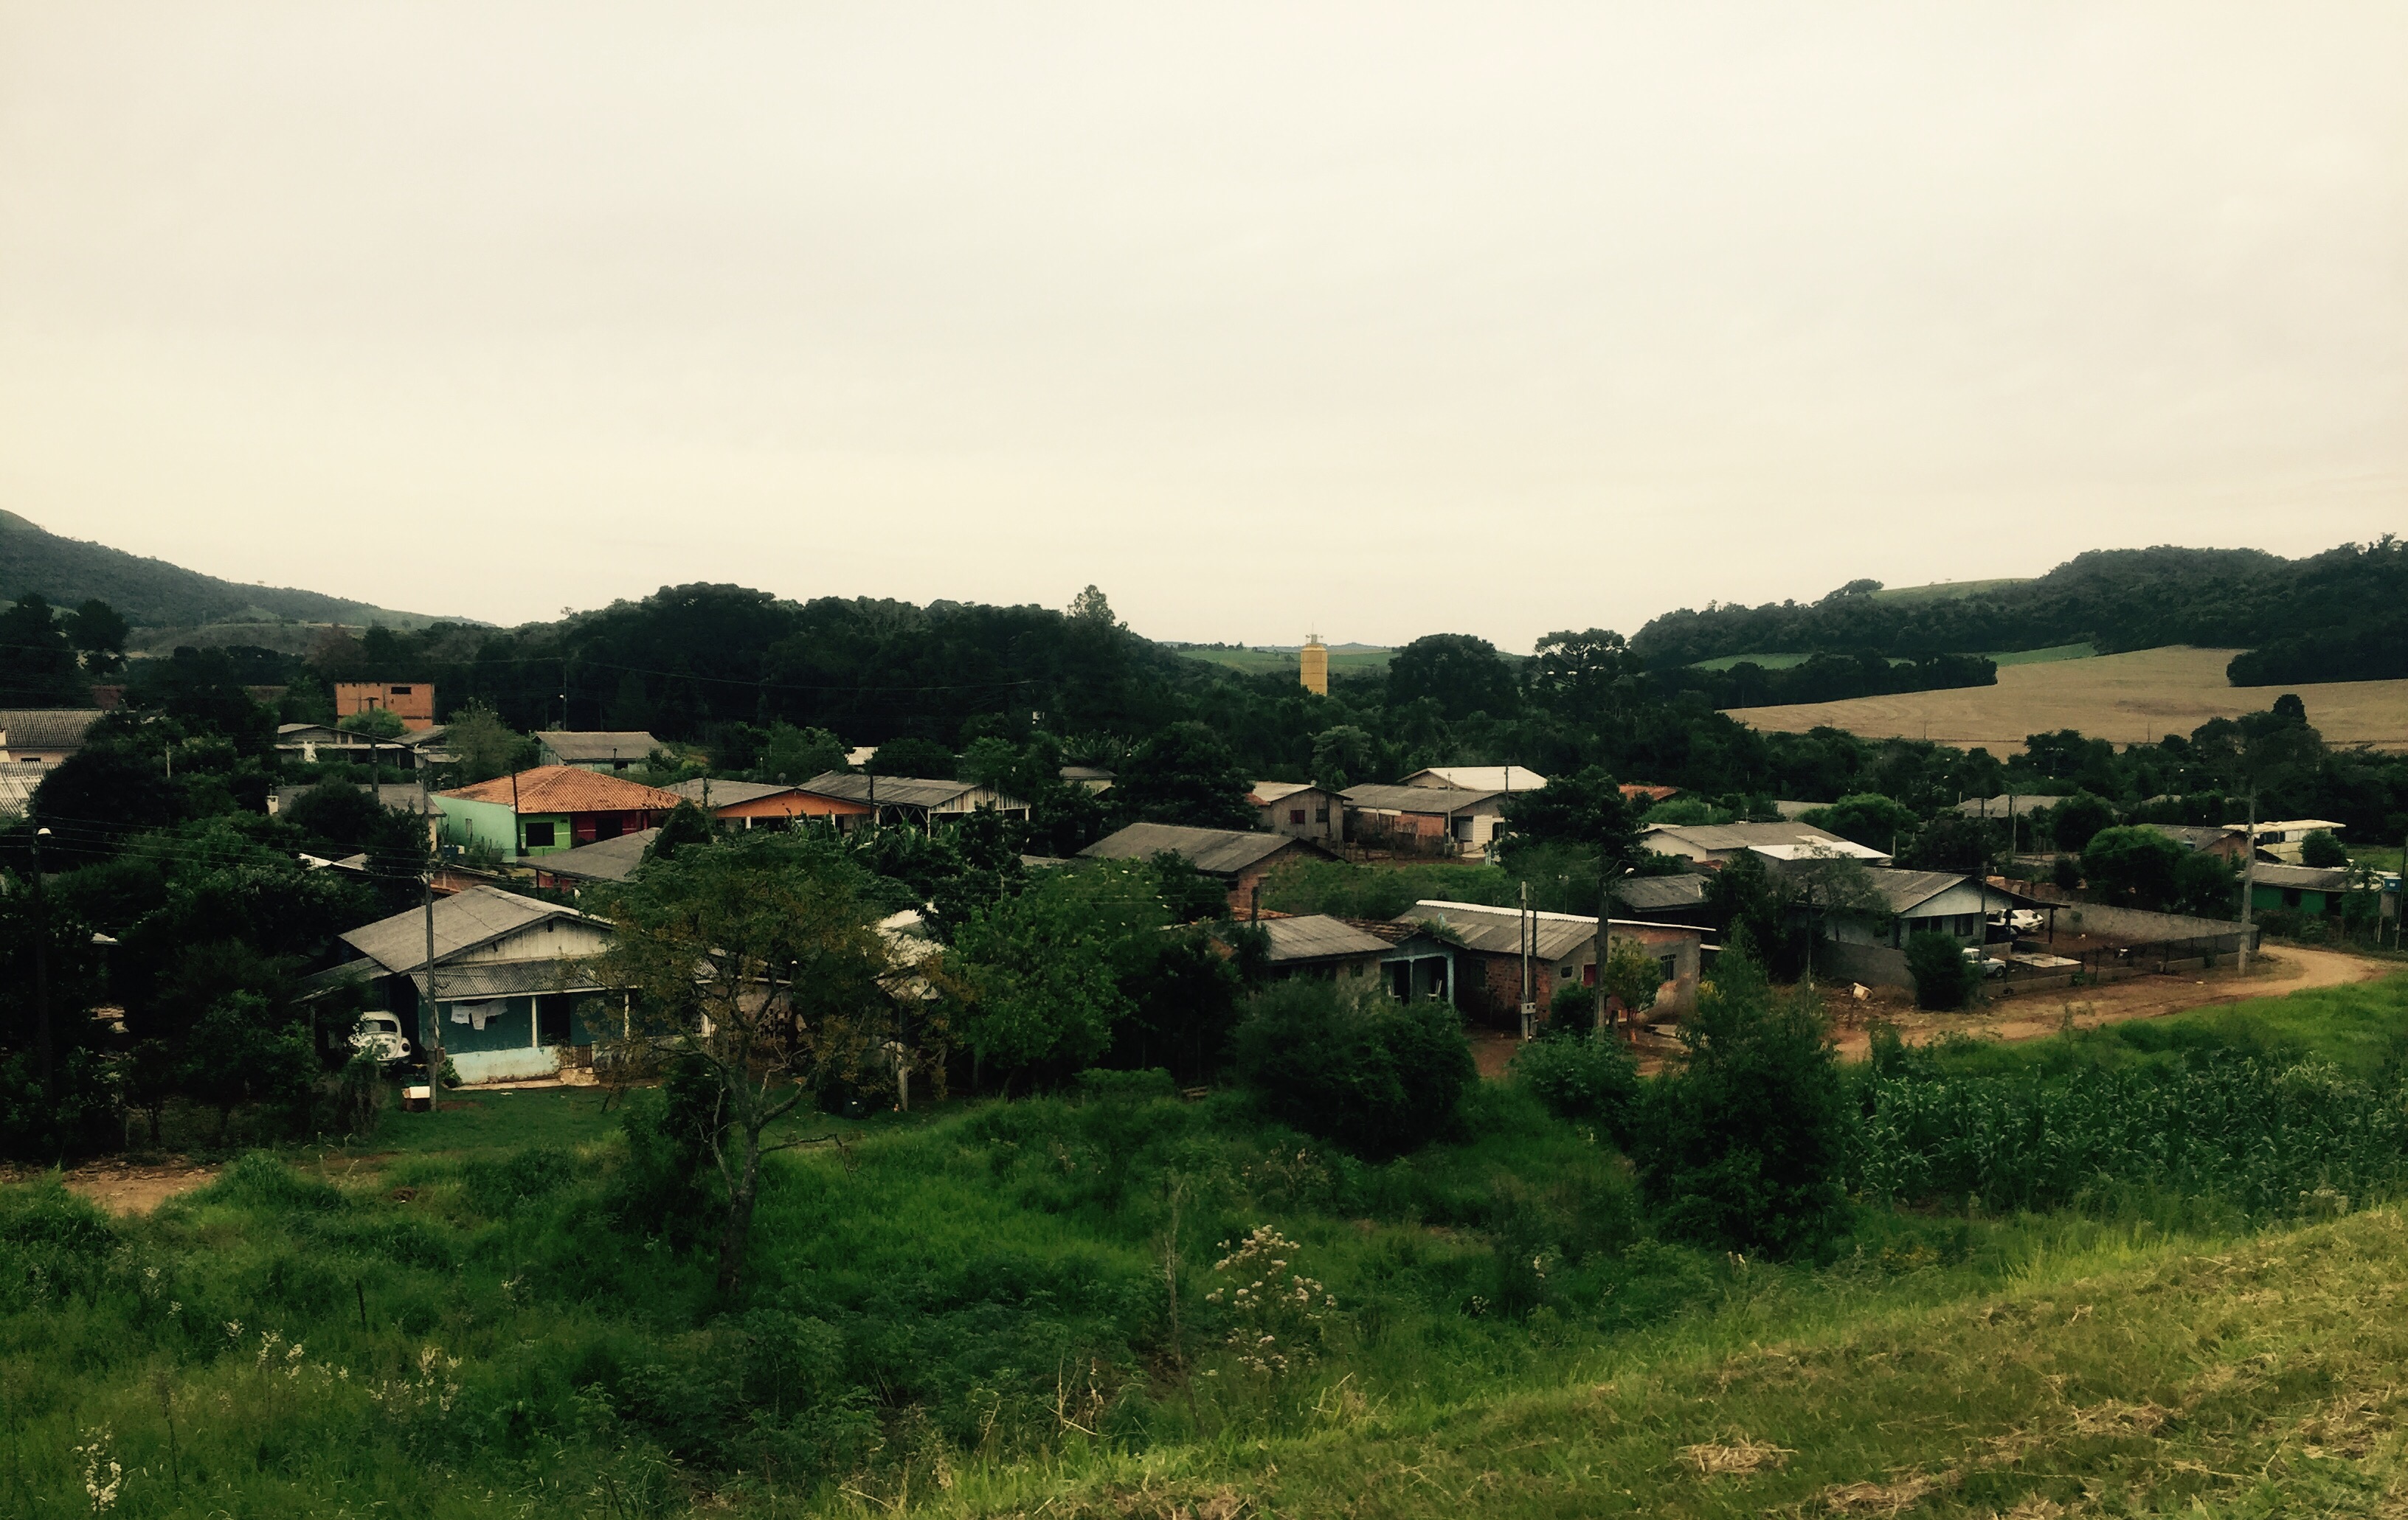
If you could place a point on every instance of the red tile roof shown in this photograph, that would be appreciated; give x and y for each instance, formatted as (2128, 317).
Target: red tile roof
(565, 789)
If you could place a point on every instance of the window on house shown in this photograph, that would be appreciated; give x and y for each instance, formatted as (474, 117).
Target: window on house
(1321, 815)
(1668, 967)
(401, 691)
(2291, 897)
(539, 835)
(1295, 814)
(1564, 973)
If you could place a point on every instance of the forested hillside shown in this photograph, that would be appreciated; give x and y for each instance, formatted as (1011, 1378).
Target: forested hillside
(152, 593)
(2332, 617)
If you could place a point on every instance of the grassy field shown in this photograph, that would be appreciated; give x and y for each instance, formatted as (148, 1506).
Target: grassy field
(1947, 591)
(1022, 1308)
(1344, 657)
(2127, 698)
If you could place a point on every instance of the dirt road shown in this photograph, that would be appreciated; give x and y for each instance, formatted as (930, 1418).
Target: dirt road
(2037, 1015)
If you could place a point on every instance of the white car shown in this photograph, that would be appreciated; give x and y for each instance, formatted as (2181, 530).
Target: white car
(379, 1036)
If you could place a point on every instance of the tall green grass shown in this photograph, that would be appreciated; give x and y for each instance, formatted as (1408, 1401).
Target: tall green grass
(1003, 1306)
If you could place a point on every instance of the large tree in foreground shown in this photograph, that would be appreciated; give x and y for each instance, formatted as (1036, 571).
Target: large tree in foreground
(756, 959)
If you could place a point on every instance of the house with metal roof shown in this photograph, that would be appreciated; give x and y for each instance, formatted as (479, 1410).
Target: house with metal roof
(510, 979)
(1717, 844)
(43, 736)
(1562, 951)
(1299, 810)
(2279, 840)
(2298, 888)
(1434, 819)
(1316, 944)
(918, 802)
(1239, 858)
(1093, 777)
(606, 750)
(1679, 899)
(765, 804)
(604, 860)
(550, 809)
(312, 743)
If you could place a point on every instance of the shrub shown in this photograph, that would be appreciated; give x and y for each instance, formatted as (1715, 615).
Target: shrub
(1943, 981)
(2321, 850)
(1573, 1011)
(1582, 1077)
(1743, 1146)
(667, 1184)
(2066, 872)
(1377, 1077)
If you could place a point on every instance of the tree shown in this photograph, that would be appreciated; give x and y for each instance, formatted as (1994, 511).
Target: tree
(757, 960)
(794, 755)
(99, 635)
(1580, 674)
(1090, 606)
(1630, 974)
(1344, 1061)
(1743, 1144)
(1342, 757)
(2074, 822)
(2204, 885)
(1868, 818)
(1461, 674)
(1185, 773)
(1587, 809)
(1943, 980)
(1042, 972)
(1187, 894)
(485, 747)
(375, 723)
(2321, 850)
(37, 662)
(685, 825)
(245, 1050)
(2133, 863)
(911, 757)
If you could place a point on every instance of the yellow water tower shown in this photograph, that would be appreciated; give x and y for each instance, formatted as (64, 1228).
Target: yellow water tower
(1313, 665)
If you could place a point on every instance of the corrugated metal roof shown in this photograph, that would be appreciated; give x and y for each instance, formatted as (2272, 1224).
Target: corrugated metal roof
(17, 785)
(630, 745)
(902, 791)
(1437, 801)
(462, 922)
(507, 979)
(1478, 777)
(1317, 936)
(565, 788)
(1215, 852)
(607, 860)
(1658, 894)
(2312, 879)
(1905, 889)
(2196, 835)
(1719, 837)
(728, 793)
(1498, 930)
(46, 728)
(1266, 792)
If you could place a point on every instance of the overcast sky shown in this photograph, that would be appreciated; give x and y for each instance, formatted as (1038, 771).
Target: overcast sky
(1384, 320)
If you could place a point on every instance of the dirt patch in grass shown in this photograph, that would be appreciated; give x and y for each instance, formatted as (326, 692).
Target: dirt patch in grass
(128, 1187)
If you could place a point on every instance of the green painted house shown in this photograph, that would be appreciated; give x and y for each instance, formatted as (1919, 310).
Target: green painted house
(2299, 888)
(549, 810)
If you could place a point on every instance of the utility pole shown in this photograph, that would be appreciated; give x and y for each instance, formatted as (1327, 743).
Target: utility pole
(434, 1044)
(42, 972)
(1529, 932)
(2248, 879)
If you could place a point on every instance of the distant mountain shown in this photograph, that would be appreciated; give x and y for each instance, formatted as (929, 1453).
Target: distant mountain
(152, 593)
(2329, 616)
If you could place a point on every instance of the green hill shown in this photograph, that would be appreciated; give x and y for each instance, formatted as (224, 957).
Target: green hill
(152, 593)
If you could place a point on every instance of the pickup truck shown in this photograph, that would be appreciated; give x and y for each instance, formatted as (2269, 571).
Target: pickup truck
(379, 1036)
